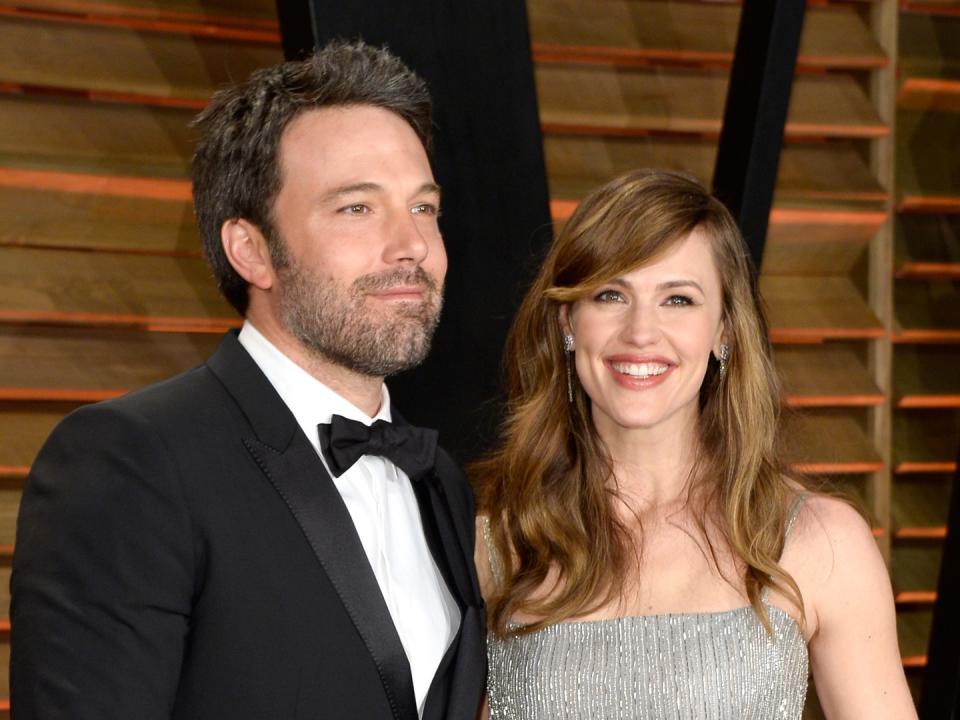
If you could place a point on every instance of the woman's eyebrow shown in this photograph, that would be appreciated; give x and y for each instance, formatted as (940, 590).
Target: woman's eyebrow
(670, 284)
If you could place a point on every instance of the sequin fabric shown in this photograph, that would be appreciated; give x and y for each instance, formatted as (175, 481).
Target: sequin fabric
(711, 666)
(699, 666)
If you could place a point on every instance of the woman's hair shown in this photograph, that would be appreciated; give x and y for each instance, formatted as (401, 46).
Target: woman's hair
(548, 487)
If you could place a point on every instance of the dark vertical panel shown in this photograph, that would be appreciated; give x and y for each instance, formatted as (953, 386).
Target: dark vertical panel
(940, 698)
(488, 158)
(756, 112)
(296, 27)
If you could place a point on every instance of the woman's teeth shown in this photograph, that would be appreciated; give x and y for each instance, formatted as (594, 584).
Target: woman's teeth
(640, 370)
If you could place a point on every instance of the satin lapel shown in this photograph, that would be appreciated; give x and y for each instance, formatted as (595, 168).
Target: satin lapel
(458, 683)
(303, 483)
(445, 542)
(290, 463)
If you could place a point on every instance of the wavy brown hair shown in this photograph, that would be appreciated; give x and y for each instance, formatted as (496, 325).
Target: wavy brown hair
(548, 487)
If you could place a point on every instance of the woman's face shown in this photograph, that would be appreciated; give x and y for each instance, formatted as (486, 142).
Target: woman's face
(642, 341)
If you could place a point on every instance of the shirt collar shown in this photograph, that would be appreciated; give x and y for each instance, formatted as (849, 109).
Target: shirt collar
(310, 401)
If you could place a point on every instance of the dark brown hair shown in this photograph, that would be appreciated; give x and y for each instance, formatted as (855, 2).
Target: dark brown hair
(236, 171)
(548, 488)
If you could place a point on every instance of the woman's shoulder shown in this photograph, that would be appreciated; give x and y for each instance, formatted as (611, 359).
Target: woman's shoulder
(831, 553)
(828, 523)
(849, 611)
(820, 518)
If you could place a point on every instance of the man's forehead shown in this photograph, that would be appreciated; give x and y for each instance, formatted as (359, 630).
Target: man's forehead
(356, 141)
(343, 121)
(357, 130)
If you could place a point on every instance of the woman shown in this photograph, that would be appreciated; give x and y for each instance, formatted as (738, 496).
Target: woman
(646, 553)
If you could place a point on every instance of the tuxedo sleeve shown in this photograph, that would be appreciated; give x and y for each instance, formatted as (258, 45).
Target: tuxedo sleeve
(103, 573)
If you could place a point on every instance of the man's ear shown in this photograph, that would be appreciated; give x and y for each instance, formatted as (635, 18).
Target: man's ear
(246, 249)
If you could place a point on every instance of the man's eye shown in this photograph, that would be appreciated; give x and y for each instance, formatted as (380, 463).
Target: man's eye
(609, 296)
(355, 209)
(678, 300)
(425, 209)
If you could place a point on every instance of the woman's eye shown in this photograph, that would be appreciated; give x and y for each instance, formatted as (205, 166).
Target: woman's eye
(678, 300)
(609, 296)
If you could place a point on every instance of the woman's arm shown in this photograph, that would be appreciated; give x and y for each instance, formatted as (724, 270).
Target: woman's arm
(853, 650)
(481, 559)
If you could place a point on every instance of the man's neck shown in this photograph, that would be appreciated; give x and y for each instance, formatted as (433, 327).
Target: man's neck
(363, 391)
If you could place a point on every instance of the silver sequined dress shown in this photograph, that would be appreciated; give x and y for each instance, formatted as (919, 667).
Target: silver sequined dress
(698, 666)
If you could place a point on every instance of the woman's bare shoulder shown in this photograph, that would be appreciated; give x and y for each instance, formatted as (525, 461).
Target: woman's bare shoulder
(827, 523)
(834, 557)
(831, 551)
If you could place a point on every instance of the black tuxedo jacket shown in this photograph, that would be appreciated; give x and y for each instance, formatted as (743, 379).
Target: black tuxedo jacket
(182, 553)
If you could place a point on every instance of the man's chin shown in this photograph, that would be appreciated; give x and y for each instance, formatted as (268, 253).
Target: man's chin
(394, 366)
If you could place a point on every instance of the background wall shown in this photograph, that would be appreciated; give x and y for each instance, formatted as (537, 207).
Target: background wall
(102, 288)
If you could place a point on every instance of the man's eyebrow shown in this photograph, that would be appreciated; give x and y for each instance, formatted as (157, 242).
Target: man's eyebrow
(428, 187)
(361, 187)
(352, 188)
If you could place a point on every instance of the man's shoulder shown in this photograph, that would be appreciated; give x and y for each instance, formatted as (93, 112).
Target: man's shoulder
(175, 402)
(193, 390)
(186, 392)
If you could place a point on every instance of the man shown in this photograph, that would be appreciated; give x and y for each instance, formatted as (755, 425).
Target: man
(263, 536)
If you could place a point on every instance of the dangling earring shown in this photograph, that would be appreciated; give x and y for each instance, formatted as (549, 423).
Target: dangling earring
(724, 356)
(567, 349)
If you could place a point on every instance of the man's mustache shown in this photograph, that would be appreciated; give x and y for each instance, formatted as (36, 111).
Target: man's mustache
(399, 277)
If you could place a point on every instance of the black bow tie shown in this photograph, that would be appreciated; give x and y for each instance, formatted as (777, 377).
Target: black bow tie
(410, 448)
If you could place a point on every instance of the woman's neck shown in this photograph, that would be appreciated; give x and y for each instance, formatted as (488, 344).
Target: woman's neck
(652, 465)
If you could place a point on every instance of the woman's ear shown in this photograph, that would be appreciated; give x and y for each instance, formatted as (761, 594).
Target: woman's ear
(720, 340)
(246, 249)
(563, 316)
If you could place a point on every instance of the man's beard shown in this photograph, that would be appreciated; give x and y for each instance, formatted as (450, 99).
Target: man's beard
(335, 323)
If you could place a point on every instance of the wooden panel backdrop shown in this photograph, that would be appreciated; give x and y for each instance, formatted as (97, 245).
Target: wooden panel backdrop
(102, 288)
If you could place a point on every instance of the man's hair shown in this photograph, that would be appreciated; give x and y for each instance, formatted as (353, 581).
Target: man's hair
(236, 167)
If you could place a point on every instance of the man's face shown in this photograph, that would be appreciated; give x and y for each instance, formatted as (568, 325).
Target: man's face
(360, 277)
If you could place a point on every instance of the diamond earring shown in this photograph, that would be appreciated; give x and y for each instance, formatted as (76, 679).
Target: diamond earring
(724, 356)
(567, 350)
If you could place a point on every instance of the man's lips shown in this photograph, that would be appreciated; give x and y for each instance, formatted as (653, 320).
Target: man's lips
(401, 292)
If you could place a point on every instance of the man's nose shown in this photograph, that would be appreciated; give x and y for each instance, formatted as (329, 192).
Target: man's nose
(406, 242)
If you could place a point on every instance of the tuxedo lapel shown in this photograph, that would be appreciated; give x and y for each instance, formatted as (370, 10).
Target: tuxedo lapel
(442, 539)
(446, 543)
(317, 506)
(457, 686)
(291, 464)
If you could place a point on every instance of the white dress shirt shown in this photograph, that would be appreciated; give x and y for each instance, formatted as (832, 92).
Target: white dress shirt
(384, 510)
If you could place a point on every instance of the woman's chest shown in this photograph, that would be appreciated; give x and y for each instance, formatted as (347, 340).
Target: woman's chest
(714, 666)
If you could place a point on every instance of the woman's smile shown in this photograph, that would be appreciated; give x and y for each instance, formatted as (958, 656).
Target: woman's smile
(643, 340)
